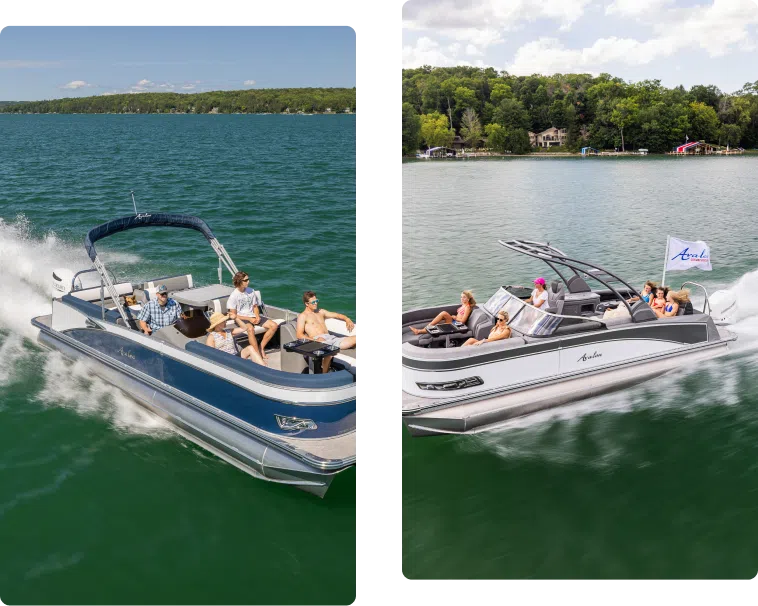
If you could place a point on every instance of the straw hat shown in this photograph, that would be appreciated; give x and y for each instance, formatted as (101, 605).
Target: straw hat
(216, 319)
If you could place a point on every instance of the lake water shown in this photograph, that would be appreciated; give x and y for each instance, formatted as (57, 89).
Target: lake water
(99, 501)
(656, 481)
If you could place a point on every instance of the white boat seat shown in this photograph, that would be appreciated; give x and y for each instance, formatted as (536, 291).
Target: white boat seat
(257, 330)
(339, 328)
(93, 294)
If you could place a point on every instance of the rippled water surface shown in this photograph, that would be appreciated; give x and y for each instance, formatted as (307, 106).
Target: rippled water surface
(656, 481)
(99, 501)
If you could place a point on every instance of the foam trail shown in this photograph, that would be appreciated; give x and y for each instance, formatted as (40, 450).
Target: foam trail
(26, 266)
(74, 386)
(550, 434)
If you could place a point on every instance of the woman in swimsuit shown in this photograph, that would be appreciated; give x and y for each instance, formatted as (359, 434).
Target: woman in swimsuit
(674, 300)
(222, 339)
(499, 331)
(464, 311)
(647, 293)
(659, 301)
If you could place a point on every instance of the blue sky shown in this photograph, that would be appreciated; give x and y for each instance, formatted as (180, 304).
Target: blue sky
(676, 41)
(52, 62)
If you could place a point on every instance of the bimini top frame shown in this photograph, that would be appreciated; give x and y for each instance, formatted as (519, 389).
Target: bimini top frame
(149, 220)
(554, 257)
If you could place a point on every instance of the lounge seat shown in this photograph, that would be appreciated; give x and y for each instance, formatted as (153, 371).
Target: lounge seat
(219, 306)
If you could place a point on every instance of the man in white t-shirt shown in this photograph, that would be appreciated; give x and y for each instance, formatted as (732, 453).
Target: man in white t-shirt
(539, 294)
(243, 304)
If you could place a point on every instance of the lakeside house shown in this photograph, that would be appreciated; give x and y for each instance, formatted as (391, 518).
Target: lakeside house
(548, 138)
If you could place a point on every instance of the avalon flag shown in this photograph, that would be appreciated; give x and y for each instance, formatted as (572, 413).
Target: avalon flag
(682, 255)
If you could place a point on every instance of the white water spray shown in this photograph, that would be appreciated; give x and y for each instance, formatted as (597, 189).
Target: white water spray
(26, 266)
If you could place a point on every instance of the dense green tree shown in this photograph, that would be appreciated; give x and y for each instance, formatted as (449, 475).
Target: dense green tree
(730, 134)
(624, 114)
(411, 129)
(709, 95)
(471, 128)
(704, 122)
(511, 114)
(435, 131)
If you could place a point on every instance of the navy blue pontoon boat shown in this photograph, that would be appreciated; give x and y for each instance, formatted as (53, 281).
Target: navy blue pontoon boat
(278, 423)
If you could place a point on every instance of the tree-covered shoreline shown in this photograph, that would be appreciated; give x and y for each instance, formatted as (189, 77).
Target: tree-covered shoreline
(604, 112)
(258, 101)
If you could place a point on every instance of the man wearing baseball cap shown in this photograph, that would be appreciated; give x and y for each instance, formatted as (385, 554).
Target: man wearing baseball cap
(539, 294)
(159, 312)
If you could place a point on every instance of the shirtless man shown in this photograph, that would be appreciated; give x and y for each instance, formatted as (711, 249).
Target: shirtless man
(311, 324)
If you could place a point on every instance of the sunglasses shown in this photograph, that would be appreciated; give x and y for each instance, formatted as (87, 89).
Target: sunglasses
(163, 294)
(500, 319)
(246, 280)
(314, 302)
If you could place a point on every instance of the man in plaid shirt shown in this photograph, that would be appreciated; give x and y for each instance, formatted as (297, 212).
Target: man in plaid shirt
(160, 312)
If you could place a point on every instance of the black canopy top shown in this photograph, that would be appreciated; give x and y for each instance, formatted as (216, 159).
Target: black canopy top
(554, 257)
(144, 220)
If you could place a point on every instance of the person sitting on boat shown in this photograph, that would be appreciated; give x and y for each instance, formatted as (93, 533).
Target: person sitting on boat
(222, 338)
(539, 294)
(499, 331)
(159, 312)
(311, 324)
(646, 294)
(674, 300)
(243, 304)
(659, 301)
(461, 315)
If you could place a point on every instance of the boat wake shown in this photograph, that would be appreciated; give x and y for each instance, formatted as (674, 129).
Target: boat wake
(26, 264)
(72, 385)
(554, 435)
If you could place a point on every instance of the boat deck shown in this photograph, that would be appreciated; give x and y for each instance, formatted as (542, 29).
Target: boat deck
(336, 448)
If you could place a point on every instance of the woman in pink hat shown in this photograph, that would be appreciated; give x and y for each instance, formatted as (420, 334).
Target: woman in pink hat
(539, 294)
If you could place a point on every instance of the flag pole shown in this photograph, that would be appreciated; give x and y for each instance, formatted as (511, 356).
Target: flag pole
(665, 260)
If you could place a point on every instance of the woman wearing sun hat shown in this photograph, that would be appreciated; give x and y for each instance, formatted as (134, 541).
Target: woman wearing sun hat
(539, 294)
(222, 339)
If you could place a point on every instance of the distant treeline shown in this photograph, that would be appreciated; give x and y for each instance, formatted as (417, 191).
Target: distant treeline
(602, 112)
(271, 100)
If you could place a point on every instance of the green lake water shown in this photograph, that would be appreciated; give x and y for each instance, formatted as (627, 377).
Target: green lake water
(656, 481)
(99, 501)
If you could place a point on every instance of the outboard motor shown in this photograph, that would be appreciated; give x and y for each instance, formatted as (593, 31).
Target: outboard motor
(724, 308)
(62, 278)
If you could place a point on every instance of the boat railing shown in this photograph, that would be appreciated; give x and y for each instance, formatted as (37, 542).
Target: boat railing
(706, 303)
(86, 271)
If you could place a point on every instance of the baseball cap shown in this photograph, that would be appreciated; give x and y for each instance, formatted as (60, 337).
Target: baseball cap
(540, 281)
(163, 288)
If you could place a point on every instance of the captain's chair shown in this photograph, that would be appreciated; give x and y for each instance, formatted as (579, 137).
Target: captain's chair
(555, 293)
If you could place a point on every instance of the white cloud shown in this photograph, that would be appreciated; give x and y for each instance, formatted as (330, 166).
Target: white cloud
(144, 83)
(76, 84)
(249, 83)
(482, 22)
(717, 29)
(635, 8)
(167, 86)
(472, 50)
(188, 87)
(428, 52)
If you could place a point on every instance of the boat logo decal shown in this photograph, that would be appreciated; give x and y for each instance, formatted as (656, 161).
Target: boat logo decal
(584, 357)
(142, 216)
(126, 354)
(293, 423)
(452, 385)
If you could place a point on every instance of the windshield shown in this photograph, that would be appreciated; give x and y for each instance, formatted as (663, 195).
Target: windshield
(524, 318)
